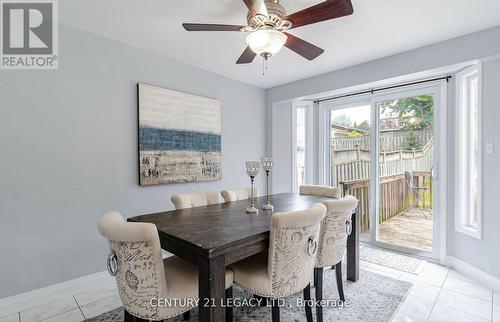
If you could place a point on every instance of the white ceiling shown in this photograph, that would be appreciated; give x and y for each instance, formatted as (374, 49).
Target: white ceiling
(377, 28)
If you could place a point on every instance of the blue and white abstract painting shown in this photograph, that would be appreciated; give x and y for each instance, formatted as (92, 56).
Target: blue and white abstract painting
(179, 137)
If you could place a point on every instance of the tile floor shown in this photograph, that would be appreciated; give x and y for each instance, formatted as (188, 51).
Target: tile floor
(438, 294)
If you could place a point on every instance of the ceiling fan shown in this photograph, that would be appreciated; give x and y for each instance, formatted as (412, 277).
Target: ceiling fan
(267, 23)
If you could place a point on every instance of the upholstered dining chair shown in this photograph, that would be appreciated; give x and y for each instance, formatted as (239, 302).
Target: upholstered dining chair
(238, 194)
(287, 268)
(335, 228)
(195, 199)
(143, 278)
(323, 191)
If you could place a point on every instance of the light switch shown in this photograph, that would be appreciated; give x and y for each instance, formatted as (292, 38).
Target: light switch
(489, 147)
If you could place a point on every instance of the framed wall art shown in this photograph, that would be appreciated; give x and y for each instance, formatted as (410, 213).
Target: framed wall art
(179, 137)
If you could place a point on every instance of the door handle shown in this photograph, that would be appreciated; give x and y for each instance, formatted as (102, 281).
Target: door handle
(435, 173)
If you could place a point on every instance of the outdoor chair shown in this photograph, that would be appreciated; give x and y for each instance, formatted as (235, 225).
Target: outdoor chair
(418, 194)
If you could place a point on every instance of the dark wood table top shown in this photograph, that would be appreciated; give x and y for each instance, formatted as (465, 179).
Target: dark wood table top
(209, 230)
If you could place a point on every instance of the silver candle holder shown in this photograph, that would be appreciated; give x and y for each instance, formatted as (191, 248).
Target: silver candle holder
(252, 171)
(267, 165)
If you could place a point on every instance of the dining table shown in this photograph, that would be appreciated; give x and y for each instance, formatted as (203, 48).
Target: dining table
(215, 236)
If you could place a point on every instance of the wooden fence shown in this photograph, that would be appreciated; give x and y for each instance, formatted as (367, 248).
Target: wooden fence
(390, 163)
(350, 169)
(387, 140)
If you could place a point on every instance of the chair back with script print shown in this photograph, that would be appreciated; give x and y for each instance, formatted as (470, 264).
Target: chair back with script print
(334, 230)
(138, 264)
(292, 249)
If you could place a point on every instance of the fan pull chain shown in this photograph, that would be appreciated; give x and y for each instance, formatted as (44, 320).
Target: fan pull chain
(264, 66)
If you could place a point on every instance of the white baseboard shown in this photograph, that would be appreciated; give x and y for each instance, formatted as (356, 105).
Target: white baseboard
(474, 273)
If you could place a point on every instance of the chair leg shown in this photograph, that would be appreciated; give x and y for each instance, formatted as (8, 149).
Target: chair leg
(318, 281)
(421, 196)
(186, 316)
(262, 300)
(127, 317)
(275, 310)
(308, 306)
(338, 274)
(229, 309)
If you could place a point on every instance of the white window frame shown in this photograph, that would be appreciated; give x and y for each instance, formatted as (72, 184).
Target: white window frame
(463, 155)
(308, 153)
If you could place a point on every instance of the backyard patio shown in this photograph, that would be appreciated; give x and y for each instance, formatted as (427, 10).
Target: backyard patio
(409, 230)
(400, 224)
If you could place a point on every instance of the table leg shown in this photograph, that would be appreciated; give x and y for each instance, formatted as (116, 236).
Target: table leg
(353, 251)
(211, 288)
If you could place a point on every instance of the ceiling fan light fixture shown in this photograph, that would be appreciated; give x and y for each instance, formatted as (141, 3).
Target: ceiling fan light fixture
(266, 42)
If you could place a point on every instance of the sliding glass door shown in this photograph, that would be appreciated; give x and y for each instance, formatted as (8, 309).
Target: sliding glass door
(405, 165)
(381, 149)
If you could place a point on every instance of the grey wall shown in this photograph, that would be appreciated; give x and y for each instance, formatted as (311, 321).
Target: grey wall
(68, 153)
(282, 152)
(482, 253)
(479, 253)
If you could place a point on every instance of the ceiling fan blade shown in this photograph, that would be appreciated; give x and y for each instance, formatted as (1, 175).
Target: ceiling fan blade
(329, 9)
(247, 57)
(210, 27)
(302, 47)
(256, 7)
